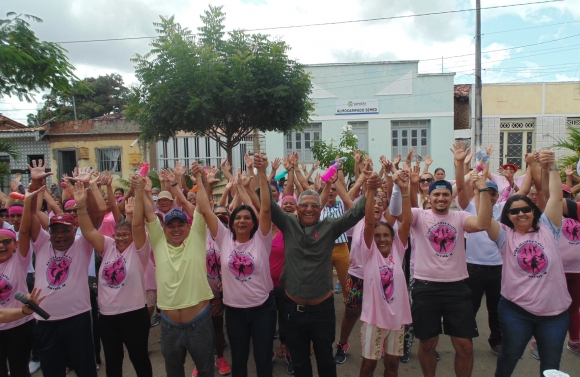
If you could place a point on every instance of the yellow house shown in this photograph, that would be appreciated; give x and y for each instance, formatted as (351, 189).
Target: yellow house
(105, 143)
(519, 118)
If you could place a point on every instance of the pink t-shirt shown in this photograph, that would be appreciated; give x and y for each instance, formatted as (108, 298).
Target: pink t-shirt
(13, 279)
(277, 258)
(121, 281)
(108, 226)
(356, 264)
(533, 276)
(246, 275)
(439, 246)
(150, 281)
(503, 183)
(570, 245)
(213, 264)
(385, 298)
(63, 277)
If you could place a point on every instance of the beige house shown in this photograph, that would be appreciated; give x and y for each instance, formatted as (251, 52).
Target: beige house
(519, 118)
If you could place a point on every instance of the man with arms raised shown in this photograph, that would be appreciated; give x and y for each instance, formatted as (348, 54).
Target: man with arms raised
(440, 269)
(307, 276)
(182, 289)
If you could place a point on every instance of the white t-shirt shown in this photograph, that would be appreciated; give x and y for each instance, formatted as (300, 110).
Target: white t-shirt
(480, 249)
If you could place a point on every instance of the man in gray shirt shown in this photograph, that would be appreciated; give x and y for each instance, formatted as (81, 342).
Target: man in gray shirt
(307, 277)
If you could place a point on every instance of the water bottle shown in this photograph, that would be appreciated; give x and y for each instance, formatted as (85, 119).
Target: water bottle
(332, 169)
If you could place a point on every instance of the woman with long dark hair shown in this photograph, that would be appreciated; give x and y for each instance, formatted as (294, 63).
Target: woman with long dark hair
(245, 246)
(534, 298)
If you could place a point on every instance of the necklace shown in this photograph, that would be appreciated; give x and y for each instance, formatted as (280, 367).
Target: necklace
(57, 261)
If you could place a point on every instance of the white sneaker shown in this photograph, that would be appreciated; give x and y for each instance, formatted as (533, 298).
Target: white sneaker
(33, 366)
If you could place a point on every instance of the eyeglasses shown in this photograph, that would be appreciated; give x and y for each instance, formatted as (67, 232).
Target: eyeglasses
(426, 180)
(516, 211)
(7, 241)
(70, 211)
(123, 236)
(306, 206)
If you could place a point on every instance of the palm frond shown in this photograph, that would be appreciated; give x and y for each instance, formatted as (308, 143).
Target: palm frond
(9, 147)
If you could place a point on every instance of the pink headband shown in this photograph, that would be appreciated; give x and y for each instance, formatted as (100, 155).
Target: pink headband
(15, 209)
(289, 197)
(70, 202)
(8, 232)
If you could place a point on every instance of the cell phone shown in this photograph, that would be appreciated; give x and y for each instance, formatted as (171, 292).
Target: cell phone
(419, 158)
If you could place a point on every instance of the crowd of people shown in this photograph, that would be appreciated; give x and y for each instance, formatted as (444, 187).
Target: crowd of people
(414, 254)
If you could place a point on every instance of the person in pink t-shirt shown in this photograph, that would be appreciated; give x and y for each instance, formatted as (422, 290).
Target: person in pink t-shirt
(247, 285)
(440, 268)
(123, 319)
(17, 335)
(385, 306)
(535, 298)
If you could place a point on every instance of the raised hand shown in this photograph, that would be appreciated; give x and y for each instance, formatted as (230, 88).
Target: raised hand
(403, 179)
(225, 165)
(458, 152)
(316, 165)
(397, 159)
(317, 182)
(479, 181)
(211, 177)
(410, 155)
(83, 175)
(96, 176)
(276, 163)
(468, 158)
(547, 157)
(129, 205)
(357, 156)
(28, 195)
(38, 170)
(229, 185)
(137, 182)
(303, 167)
(248, 161)
(260, 162)
(14, 185)
(489, 150)
(168, 176)
(244, 180)
(415, 174)
(374, 181)
(80, 194)
(286, 162)
(568, 170)
(179, 169)
(428, 160)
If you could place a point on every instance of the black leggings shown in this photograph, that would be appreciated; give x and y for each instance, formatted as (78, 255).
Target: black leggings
(131, 329)
(15, 347)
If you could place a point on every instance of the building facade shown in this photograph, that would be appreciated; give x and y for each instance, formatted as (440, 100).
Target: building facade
(390, 106)
(520, 118)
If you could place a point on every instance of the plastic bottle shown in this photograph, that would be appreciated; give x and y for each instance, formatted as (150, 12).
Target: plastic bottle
(280, 175)
(332, 169)
(144, 169)
(17, 196)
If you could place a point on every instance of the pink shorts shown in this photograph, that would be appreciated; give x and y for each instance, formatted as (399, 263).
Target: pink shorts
(376, 340)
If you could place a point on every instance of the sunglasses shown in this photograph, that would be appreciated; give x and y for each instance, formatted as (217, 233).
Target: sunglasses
(426, 180)
(70, 211)
(516, 211)
(7, 241)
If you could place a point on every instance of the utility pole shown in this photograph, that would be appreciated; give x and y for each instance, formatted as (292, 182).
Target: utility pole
(74, 107)
(478, 107)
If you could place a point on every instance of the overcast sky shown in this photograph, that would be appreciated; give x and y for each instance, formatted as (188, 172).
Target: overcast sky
(425, 38)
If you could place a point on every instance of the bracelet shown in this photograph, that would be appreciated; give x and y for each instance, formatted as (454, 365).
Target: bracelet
(485, 189)
(23, 312)
(404, 196)
(335, 181)
(338, 169)
(553, 168)
(174, 184)
(32, 187)
(82, 213)
(479, 167)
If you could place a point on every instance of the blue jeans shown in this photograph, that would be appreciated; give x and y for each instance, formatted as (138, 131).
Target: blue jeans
(196, 337)
(259, 325)
(517, 328)
(318, 327)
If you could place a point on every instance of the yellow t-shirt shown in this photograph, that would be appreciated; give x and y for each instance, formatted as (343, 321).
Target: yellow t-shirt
(180, 271)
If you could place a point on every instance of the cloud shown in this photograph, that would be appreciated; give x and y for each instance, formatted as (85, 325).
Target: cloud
(352, 55)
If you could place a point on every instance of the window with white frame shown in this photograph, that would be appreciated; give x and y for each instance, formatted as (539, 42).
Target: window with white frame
(516, 138)
(410, 133)
(109, 159)
(573, 122)
(302, 141)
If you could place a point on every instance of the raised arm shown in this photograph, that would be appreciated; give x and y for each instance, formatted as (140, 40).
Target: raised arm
(554, 205)
(176, 191)
(369, 231)
(203, 207)
(482, 220)
(138, 220)
(29, 224)
(261, 163)
(142, 204)
(459, 154)
(343, 194)
(107, 180)
(95, 238)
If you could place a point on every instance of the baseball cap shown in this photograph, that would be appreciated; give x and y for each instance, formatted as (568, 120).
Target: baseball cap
(492, 185)
(513, 166)
(165, 195)
(440, 184)
(566, 188)
(175, 214)
(63, 218)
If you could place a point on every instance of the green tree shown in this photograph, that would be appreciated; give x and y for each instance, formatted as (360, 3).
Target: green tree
(26, 63)
(7, 147)
(572, 144)
(326, 152)
(223, 88)
(93, 97)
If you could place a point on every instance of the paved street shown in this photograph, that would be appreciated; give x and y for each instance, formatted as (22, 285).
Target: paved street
(484, 359)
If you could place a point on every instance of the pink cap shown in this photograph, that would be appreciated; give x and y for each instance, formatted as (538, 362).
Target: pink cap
(566, 188)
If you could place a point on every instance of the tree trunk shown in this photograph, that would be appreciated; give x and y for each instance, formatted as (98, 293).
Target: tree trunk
(229, 151)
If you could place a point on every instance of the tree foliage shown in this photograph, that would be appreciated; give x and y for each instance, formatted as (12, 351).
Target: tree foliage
(219, 87)
(7, 147)
(326, 152)
(572, 144)
(26, 63)
(93, 97)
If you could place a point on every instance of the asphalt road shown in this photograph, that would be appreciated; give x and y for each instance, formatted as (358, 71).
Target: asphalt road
(484, 365)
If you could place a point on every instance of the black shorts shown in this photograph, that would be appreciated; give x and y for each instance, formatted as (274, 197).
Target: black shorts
(452, 301)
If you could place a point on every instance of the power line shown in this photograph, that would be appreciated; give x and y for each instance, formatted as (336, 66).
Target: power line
(526, 28)
(332, 23)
